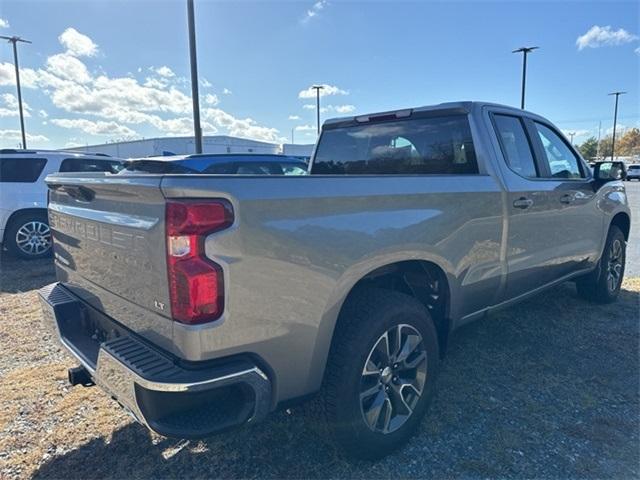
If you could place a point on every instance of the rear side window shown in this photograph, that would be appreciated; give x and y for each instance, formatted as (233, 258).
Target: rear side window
(81, 164)
(435, 145)
(562, 162)
(515, 145)
(21, 170)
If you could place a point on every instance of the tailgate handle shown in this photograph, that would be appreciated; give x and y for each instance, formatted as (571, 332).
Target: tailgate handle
(75, 191)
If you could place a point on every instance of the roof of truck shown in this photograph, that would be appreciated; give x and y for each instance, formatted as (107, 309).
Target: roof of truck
(461, 106)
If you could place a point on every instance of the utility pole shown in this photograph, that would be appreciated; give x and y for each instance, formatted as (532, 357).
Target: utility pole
(317, 88)
(615, 120)
(598, 146)
(14, 40)
(571, 135)
(197, 130)
(525, 51)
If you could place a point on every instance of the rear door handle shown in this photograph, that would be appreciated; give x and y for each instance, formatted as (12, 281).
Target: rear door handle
(523, 203)
(566, 198)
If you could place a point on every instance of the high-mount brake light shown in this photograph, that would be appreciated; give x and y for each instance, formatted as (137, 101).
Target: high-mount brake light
(196, 284)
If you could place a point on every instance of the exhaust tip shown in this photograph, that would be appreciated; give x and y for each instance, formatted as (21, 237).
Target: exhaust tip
(80, 376)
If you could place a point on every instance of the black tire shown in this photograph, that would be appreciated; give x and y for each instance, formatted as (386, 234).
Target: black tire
(14, 230)
(603, 284)
(365, 318)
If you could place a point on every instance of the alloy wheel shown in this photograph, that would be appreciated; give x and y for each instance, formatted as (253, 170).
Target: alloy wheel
(393, 378)
(34, 238)
(614, 265)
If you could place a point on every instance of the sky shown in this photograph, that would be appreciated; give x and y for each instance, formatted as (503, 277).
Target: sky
(101, 71)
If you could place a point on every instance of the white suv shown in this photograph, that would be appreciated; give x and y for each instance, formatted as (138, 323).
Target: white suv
(24, 227)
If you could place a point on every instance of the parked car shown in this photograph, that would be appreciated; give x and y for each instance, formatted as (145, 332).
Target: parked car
(24, 229)
(228, 164)
(633, 172)
(204, 302)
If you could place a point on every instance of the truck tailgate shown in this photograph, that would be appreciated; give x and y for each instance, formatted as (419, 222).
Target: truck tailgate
(109, 247)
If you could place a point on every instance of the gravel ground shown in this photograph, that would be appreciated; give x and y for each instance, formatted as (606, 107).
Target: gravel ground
(547, 389)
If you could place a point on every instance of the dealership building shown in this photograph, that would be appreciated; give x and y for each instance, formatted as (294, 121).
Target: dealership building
(184, 145)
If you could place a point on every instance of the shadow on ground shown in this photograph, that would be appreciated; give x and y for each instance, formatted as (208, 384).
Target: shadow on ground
(18, 275)
(547, 389)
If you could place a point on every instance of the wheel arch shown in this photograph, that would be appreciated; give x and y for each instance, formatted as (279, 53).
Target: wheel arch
(623, 222)
(20, 212)
(415, 272)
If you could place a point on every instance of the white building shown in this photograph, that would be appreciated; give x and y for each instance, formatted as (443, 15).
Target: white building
(184, 145)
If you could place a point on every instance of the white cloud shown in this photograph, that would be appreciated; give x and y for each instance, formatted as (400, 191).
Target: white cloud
(211, 99)
(305, 128)
(226, 91)
(115, 105)
(95, 128)
(28, 76)
(637, 50)
(237, 127)
(344, 108)
(576, 133)
(294, 117)
(9, 106)
(67, 67)
(326, 90)
(77, 44)
(598, 36)
(164, 71)
(309, 106)
(43, 114)
(17, 135)
(205, 83)
(315, 9)
(4, 23)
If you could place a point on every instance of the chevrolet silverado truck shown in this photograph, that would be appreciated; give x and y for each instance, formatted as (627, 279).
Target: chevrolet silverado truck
(203, 302)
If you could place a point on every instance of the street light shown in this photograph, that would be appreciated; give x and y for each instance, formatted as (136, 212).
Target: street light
(195, 97)
(615, 120)
(525, 51)
(571, 135)
(14, 40)
(317, 88)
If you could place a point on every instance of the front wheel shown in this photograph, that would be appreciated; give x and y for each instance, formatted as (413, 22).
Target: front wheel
(381, 372)
(603, 284)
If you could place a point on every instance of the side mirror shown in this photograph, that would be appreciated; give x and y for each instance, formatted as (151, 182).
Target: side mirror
(609, 171)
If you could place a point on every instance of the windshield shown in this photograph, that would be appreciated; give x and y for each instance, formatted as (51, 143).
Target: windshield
(223, 165)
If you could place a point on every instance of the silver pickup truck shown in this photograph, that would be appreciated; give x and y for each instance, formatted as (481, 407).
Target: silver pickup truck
(203, 302)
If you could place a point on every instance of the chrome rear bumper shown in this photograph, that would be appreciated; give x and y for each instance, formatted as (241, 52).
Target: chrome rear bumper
(161, 393)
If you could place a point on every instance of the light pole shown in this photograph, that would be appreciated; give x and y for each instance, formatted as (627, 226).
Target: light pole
(14, 40)
(292, 138)
(197, 130)
(317, 88)
(615, 120)
(571, 135)
(525, 51)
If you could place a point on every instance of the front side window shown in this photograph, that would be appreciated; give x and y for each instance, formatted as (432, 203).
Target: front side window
(21, 170)
(515, 145)
(562, 162)
(435, 145)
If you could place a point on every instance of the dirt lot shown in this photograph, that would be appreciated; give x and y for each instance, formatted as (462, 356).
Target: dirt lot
(547, 389)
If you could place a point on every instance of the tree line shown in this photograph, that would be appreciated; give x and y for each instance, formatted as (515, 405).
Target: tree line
(627, 145)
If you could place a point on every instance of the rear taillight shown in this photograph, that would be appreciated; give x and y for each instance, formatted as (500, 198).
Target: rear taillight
(196, 284)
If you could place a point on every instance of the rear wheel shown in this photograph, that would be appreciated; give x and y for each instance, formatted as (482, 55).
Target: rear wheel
(603, 284)
(28, 236)
(381, 372)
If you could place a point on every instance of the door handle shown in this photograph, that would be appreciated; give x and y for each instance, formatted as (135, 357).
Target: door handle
(523, 203)
(566, 198)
